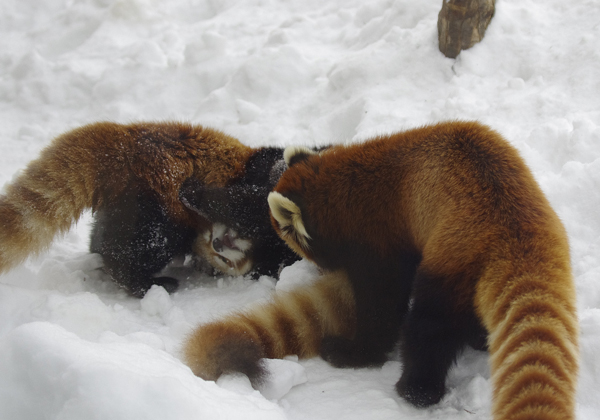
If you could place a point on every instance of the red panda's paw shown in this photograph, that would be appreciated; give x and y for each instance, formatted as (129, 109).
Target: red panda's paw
(479, 341)
(169, 283)
(139, 289)
(342, 352)
(422, 391)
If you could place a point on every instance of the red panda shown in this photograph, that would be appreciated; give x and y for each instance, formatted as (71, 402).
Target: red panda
(141, 181)
(445, 237)
(292, 323)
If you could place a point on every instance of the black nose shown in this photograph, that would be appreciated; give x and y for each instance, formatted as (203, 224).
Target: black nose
(217, 245)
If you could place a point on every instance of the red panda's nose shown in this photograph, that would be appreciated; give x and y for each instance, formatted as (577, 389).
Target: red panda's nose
(217, 245)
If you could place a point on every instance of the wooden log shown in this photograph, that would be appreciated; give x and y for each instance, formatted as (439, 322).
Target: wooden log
(462, 24)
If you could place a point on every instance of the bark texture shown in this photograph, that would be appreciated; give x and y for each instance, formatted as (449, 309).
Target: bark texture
(462, 24)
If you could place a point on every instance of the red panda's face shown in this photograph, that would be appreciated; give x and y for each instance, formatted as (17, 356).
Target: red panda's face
(224, 250)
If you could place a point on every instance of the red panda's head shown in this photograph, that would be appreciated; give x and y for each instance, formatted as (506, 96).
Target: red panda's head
(224, 250)
(285, 201)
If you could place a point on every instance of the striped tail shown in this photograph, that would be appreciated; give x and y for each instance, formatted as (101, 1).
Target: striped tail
(534, 350)
(292, 323)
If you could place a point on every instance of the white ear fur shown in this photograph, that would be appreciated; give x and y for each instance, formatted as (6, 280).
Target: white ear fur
(288, 215)
(296, 151)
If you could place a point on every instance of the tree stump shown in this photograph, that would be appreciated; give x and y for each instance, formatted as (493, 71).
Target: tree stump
(462, 24)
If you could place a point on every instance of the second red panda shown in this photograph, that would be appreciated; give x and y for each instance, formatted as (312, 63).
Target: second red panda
(137, 179)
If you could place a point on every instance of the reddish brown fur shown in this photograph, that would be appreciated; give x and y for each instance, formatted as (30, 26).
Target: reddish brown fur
(91, 165)
(292, 323)
(458, 195)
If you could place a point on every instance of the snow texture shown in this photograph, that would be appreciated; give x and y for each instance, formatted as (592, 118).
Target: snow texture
(272, 72)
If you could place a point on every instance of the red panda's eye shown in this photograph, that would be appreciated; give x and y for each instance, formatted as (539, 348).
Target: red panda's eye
(226, 261)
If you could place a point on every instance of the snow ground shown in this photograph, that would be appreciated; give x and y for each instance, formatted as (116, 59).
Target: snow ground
(272, 72)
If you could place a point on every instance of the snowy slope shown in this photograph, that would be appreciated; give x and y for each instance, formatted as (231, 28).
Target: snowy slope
(272, 72)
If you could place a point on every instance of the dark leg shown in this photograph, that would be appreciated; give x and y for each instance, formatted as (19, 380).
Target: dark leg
(433, 335)
(377, 332)
(137, 239)
(478, 338)
(382, 292)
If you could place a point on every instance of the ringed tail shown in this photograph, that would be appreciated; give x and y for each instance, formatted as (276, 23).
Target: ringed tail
(292, 323)
(533, 350)
(44, 200)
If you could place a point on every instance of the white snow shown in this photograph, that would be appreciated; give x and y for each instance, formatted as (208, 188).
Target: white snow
(272, 72)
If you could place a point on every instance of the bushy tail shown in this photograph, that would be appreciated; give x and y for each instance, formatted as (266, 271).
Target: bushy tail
(292, 323)
(534, 350)
(45, 199)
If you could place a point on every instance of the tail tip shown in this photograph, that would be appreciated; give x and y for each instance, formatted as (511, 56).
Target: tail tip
(216, 349)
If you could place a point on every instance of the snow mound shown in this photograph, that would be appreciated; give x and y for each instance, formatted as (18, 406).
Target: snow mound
(55, 374)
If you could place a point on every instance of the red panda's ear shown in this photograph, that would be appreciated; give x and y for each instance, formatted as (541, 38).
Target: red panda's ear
(288, 216)
(295, 154)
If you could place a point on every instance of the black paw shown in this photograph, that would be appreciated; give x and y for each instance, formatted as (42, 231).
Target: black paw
(479, 342)
(139, 291)
(420, 394)
(168, 283)
(341, 352)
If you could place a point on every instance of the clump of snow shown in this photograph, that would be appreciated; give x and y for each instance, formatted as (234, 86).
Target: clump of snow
(284, 375)
(299, 274)
(272, 72)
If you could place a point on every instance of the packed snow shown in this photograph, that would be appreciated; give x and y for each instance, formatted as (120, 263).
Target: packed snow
(272, 72)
